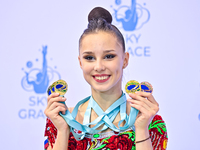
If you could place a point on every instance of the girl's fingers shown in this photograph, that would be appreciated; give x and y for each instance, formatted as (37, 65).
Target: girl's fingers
(52, 96)
(57, 110)
(143, 96)
(56, 104)
(140, 103)
(55, 99)
(149, 96)
(144, 108)
(144, 102)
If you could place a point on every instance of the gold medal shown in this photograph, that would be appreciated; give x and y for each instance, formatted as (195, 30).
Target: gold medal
(59, 86)
(146, 87)
(49, 92)
(132, 86)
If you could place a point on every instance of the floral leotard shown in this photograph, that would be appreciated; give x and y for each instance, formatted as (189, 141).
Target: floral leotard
(111, 140)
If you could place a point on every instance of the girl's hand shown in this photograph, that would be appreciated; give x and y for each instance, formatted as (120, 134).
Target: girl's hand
(147, 106)
(52, 111)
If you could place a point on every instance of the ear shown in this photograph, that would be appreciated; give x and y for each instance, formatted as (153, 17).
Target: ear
(79, 59)
(126, 59)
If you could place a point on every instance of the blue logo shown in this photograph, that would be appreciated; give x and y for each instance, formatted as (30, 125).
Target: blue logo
(37, 76)
(37, 79)
(199, 117)
(131, 16)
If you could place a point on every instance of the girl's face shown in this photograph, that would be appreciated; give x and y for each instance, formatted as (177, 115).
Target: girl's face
(102, 60)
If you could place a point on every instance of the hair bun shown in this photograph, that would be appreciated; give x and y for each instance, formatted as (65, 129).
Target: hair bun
(99, 12)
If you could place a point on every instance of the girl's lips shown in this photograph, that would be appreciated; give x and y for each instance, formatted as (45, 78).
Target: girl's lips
(101, 78)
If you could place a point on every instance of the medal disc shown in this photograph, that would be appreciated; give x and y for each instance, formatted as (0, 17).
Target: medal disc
(59, 86)
(132, 86)
(49, 92)
(146, 87)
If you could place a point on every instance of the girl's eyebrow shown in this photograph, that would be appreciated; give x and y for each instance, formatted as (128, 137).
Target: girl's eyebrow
(87, 52)
(106, 51)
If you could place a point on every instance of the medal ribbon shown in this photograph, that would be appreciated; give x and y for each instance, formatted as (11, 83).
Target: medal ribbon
(104, 118)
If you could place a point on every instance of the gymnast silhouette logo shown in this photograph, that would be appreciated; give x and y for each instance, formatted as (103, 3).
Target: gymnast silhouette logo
(131, 17)
(38, 79)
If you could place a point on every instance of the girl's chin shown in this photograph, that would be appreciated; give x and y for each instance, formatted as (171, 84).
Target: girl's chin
(102, 90)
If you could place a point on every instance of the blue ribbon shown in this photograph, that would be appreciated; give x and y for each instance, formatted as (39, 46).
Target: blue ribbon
(104, 118)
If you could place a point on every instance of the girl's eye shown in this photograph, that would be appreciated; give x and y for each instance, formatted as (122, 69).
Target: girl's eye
(109, 56)
(89, 57)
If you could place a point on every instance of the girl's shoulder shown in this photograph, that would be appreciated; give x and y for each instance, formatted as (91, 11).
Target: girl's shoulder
(158, 125)
(158, 133)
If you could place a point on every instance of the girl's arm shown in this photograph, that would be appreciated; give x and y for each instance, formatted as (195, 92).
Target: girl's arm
(148, 107)
(61, 142)
(57, 130)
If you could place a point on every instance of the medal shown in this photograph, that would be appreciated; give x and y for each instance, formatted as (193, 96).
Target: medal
(59, 86)
(49, 91)
(134, 86)
(146, 87)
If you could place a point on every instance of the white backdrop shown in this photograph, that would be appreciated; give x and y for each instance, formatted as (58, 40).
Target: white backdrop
(164, 51)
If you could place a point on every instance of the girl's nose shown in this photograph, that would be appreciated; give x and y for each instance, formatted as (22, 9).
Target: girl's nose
(99, 66)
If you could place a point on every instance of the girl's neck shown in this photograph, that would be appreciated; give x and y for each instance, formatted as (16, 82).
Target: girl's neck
(106, 99)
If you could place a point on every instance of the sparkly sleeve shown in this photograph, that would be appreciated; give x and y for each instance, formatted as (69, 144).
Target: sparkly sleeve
(158, 133)
(50, 134)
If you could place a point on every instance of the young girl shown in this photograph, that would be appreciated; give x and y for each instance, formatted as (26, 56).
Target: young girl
(102, 58)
